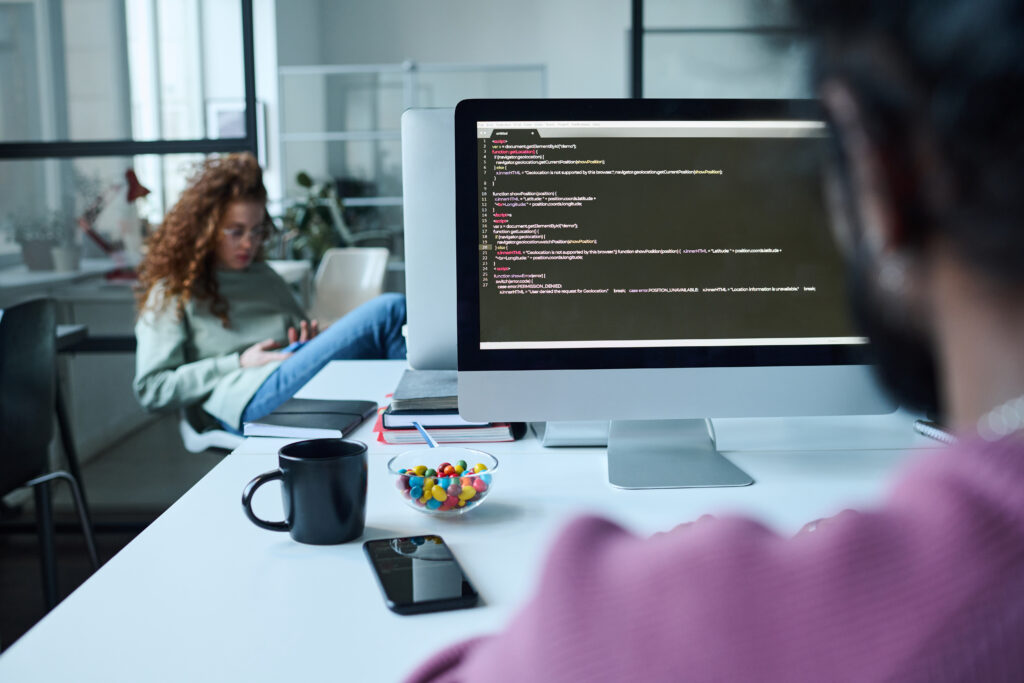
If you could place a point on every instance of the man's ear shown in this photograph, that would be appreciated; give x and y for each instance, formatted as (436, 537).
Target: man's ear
(872, 198)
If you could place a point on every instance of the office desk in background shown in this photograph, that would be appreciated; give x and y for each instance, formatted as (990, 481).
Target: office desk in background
(205, 595)
(97, 372)
(18, 282)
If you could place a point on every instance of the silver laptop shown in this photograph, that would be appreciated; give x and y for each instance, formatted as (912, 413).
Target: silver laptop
(428, 182)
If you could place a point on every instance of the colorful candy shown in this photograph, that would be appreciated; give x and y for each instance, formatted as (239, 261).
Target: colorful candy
(445, 488)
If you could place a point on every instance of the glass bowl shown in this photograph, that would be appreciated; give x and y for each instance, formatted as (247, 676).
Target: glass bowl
(424, 480)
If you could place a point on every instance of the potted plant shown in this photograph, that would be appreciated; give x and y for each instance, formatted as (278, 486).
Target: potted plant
(67, 252)
(313, 224)
(36, 237)
(310, 225)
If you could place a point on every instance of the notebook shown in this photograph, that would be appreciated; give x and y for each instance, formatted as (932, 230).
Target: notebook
(428, 418)
(426, 390)
(305, 418)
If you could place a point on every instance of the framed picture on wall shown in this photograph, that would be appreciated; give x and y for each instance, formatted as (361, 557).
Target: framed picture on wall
(226, 119)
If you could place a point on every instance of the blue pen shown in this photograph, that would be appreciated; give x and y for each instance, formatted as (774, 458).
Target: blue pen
(426, 437)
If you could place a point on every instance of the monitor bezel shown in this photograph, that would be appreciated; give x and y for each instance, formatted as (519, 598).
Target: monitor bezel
(472, 358)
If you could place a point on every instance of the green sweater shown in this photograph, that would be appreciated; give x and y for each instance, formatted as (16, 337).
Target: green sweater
(181, 362)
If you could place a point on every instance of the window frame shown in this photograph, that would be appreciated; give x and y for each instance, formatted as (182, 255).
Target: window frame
(65, 149)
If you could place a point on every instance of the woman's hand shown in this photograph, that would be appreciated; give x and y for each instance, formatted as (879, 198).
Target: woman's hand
(260, 354)
(263, 352)
(306, 331)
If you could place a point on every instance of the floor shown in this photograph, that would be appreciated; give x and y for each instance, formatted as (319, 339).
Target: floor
(127, 486)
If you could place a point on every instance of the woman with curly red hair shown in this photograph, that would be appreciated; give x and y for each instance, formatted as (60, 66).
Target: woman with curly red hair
(213, 316)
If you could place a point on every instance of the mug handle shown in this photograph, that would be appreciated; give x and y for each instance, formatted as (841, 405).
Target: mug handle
(250, 491)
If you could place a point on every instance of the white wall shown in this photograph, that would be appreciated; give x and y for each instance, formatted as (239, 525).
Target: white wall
(583, 44)
(298, 32)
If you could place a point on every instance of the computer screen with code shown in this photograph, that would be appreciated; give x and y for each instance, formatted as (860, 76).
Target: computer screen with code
(620, 234)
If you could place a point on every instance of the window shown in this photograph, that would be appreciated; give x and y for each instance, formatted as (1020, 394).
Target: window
(91, 88)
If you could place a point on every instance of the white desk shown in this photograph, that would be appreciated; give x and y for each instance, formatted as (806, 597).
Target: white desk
(204, 595)
(18, 282)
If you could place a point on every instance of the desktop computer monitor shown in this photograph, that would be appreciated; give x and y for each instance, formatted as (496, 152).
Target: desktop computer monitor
(654, 263)
(428, 208)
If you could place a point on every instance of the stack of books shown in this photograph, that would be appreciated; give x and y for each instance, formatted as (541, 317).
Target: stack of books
(430, 397)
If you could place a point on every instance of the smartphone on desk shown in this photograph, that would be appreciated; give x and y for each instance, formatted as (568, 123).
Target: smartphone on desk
(419, 574)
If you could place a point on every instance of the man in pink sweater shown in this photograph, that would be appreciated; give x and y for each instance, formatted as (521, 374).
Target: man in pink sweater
(925, 99)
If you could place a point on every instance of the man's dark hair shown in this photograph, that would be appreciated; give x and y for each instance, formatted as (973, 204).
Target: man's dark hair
(940, 86)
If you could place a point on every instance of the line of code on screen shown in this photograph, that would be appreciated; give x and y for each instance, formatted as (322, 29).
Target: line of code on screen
(665, 234)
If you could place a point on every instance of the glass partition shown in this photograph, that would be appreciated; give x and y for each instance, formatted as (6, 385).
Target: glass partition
(121, 70)
(314, 102)
(44, 201)
(340, 124)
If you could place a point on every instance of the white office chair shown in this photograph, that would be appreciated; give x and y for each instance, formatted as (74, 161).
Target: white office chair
(197, 441)
(347, 278)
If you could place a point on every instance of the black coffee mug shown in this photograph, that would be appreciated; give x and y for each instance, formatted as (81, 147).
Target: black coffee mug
(323, 486)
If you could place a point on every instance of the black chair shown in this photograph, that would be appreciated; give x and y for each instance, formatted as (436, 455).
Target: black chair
(28, 376)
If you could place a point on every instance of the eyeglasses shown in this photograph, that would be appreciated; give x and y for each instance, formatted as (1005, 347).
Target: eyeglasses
(257, 234)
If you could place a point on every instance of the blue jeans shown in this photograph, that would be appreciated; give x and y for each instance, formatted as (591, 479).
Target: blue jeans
(372, 331)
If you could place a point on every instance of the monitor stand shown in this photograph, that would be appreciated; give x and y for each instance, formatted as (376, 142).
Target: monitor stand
(668, 454)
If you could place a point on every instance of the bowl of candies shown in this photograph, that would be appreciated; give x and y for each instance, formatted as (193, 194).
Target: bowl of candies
(443, 481)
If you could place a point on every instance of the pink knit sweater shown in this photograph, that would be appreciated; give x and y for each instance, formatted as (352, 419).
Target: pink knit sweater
(930, 587)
